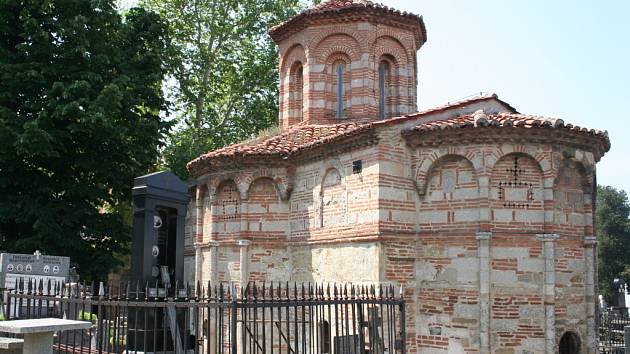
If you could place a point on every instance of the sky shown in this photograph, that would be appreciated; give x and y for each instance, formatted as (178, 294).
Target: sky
(564, 59)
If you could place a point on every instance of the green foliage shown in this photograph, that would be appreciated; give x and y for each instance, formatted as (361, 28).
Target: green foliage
(80, 97)
(87, 316)
(613, 231)
(223, 69)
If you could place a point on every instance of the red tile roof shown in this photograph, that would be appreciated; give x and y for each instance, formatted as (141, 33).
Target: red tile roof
(507, 120)
(450, 105)
(335, 6)
(296, 138)
(301, 137)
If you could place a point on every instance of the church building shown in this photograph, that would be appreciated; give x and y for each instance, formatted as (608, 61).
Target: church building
(482, 214)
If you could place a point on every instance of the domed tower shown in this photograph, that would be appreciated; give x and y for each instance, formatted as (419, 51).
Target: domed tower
(347, 60)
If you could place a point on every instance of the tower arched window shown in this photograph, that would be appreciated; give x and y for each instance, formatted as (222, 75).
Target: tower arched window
(384, 83)
(297, 90)
(339, 72)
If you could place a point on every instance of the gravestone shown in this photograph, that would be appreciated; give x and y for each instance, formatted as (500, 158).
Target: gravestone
(160, 203)
(619, 294)
(159, 211)
(35, 268)
(32, 267)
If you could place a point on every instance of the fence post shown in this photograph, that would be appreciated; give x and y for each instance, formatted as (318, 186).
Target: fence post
(626, 339)
(7, 315)
(233, 325)
(403, 329)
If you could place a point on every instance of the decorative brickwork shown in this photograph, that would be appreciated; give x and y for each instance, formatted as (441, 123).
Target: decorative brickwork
(483, 215)
(359, 45)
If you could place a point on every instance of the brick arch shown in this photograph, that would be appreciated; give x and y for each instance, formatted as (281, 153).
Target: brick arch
(214, 183)
(423, 169)
(324, 33)
(544, 163)
(387, 45)
(332, 164)
(266, 214)
(516, 193)
(452, 195)
(336, 56)
(227, 209)
(338, 43)
(333, 199)
(586, 162)
(294, 54)
(572, 199)
(281, 184)
(400, 36)
(536, 158)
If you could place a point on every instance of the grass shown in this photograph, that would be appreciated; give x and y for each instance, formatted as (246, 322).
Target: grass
(263, 135)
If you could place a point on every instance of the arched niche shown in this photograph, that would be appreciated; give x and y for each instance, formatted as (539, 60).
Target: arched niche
(516, 193)
(452, 195)
(333, 199)
(266, 213)
(572, 199)
(570, 343)
(227, 208)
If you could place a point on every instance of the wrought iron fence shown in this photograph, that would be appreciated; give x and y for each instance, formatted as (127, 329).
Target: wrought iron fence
(262, 318)
(611, 328)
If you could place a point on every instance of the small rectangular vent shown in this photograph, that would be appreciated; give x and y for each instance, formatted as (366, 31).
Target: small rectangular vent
(357, 166)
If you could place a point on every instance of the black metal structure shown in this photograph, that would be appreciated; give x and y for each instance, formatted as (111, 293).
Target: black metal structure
(611, 328)
(263, 318)
(159, 211)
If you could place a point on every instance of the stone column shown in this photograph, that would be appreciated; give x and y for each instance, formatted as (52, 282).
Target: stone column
(483, 253)
(549, 290)
(213, 259)
(590, 297)
(244, 263)
(244, 277)
(198, 235)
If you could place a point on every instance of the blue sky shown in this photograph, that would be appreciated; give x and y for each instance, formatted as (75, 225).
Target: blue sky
(565, 59)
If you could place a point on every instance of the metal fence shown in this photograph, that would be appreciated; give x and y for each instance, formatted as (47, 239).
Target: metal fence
(262, 318)
(611, 328)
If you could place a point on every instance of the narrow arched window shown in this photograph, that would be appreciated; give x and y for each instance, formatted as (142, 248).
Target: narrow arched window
(383, 89)
(339, 71)
(297, 91)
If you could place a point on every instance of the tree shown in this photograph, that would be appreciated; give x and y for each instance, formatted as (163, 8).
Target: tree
(613, 230)
(223, 69)
(80, 102)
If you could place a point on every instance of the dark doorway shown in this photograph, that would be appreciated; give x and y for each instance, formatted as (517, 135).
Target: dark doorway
(570, 343)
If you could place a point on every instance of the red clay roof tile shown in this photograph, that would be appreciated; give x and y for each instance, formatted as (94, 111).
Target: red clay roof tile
(301, 137)
(508, 120)
(332, 6)
(290, 141)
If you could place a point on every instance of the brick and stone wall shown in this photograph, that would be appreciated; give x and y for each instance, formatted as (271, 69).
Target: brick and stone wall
(491, 242)
(308, 76)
